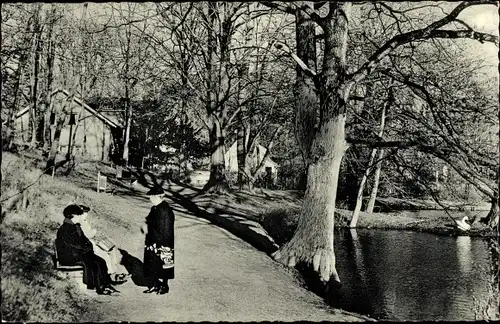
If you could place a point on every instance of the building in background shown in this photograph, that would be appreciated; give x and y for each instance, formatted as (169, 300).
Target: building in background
(97, 135)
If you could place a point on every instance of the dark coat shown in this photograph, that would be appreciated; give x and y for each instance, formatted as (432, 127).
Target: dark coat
(73, 248)
(71, 244)
(160, 224)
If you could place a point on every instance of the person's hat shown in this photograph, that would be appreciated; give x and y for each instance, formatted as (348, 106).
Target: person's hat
(75, 209)
(155, 191)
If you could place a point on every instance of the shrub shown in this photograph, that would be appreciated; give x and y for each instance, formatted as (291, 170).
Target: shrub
(281, 223)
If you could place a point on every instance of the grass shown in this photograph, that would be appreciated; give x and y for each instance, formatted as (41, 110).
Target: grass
(32, 290)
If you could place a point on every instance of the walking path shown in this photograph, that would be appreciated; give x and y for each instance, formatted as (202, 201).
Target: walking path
(218, 277)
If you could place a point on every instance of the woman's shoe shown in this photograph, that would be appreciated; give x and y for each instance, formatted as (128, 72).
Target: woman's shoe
(113, 289)
(105, 291)
(163, 290)
(151, 290)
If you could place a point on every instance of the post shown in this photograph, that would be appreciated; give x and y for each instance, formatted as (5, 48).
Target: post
(98, 180)
(69, 142)
(437, 179)
(25, 199)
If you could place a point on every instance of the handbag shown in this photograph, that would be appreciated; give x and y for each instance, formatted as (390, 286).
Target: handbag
(165, 254)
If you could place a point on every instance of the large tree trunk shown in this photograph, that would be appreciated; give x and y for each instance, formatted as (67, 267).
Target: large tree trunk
(312, 242)
(306, 99)
(376, 181)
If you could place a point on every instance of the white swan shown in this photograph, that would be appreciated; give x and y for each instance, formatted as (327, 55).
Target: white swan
(461, 224)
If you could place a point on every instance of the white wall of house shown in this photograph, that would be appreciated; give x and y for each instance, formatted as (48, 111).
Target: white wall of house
(231, 158)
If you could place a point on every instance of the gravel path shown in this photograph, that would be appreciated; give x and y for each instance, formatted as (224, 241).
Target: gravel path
(218, 278)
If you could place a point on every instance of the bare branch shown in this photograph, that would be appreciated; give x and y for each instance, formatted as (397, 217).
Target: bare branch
(311, 13)
(430, 31)
(279, 5)
(286, 49)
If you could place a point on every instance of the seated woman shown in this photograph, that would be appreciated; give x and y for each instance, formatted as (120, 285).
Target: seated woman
(73, 248)
(105, 249)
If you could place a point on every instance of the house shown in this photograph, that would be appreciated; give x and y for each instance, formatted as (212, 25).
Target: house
(96, 134)
(270, 167)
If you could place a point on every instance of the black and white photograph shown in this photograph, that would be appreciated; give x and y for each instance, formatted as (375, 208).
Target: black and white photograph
(252, 161)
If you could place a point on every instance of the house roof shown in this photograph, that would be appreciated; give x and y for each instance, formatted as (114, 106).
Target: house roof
(106, 120)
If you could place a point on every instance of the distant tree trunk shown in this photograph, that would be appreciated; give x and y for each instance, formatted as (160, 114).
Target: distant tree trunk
(218, 176)
(128, 106)
(9, 136)
(252, 177)
(216, 114)
(493, 215)
(77, 123)
(60, 117)
(359, 198)
(241, 154)
(55, 143)
(128, 109)
(103, 144)
(376, 181)
(49, 89)
(36, 116)
(184, 155)
(243, 131)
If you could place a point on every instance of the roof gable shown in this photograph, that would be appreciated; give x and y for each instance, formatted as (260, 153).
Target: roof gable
(106, 120)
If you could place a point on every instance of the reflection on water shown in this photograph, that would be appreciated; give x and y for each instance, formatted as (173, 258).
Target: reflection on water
(464, 253)
(400, 275)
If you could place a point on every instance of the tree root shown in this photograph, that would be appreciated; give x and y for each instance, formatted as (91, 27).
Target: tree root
(322, 260)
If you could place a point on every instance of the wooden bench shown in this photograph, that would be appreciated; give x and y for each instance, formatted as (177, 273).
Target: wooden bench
(62, 267)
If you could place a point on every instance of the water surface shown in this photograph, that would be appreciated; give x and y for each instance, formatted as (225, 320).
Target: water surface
(403, 275)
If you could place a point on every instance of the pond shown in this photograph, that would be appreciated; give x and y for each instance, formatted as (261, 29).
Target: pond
(402, 275)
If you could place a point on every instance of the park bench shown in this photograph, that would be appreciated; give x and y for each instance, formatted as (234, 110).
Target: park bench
(61, 267)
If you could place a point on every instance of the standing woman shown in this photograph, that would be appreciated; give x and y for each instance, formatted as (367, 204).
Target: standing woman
(159, 243)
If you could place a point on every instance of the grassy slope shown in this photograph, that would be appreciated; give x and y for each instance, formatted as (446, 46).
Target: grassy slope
(31, 289)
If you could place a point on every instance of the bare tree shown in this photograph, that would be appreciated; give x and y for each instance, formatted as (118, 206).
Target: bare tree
(312, 243)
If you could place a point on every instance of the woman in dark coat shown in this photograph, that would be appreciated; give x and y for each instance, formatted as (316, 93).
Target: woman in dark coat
(74, 248)
(159, 243)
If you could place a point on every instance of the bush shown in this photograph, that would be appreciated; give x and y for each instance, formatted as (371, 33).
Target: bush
(281, 223)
